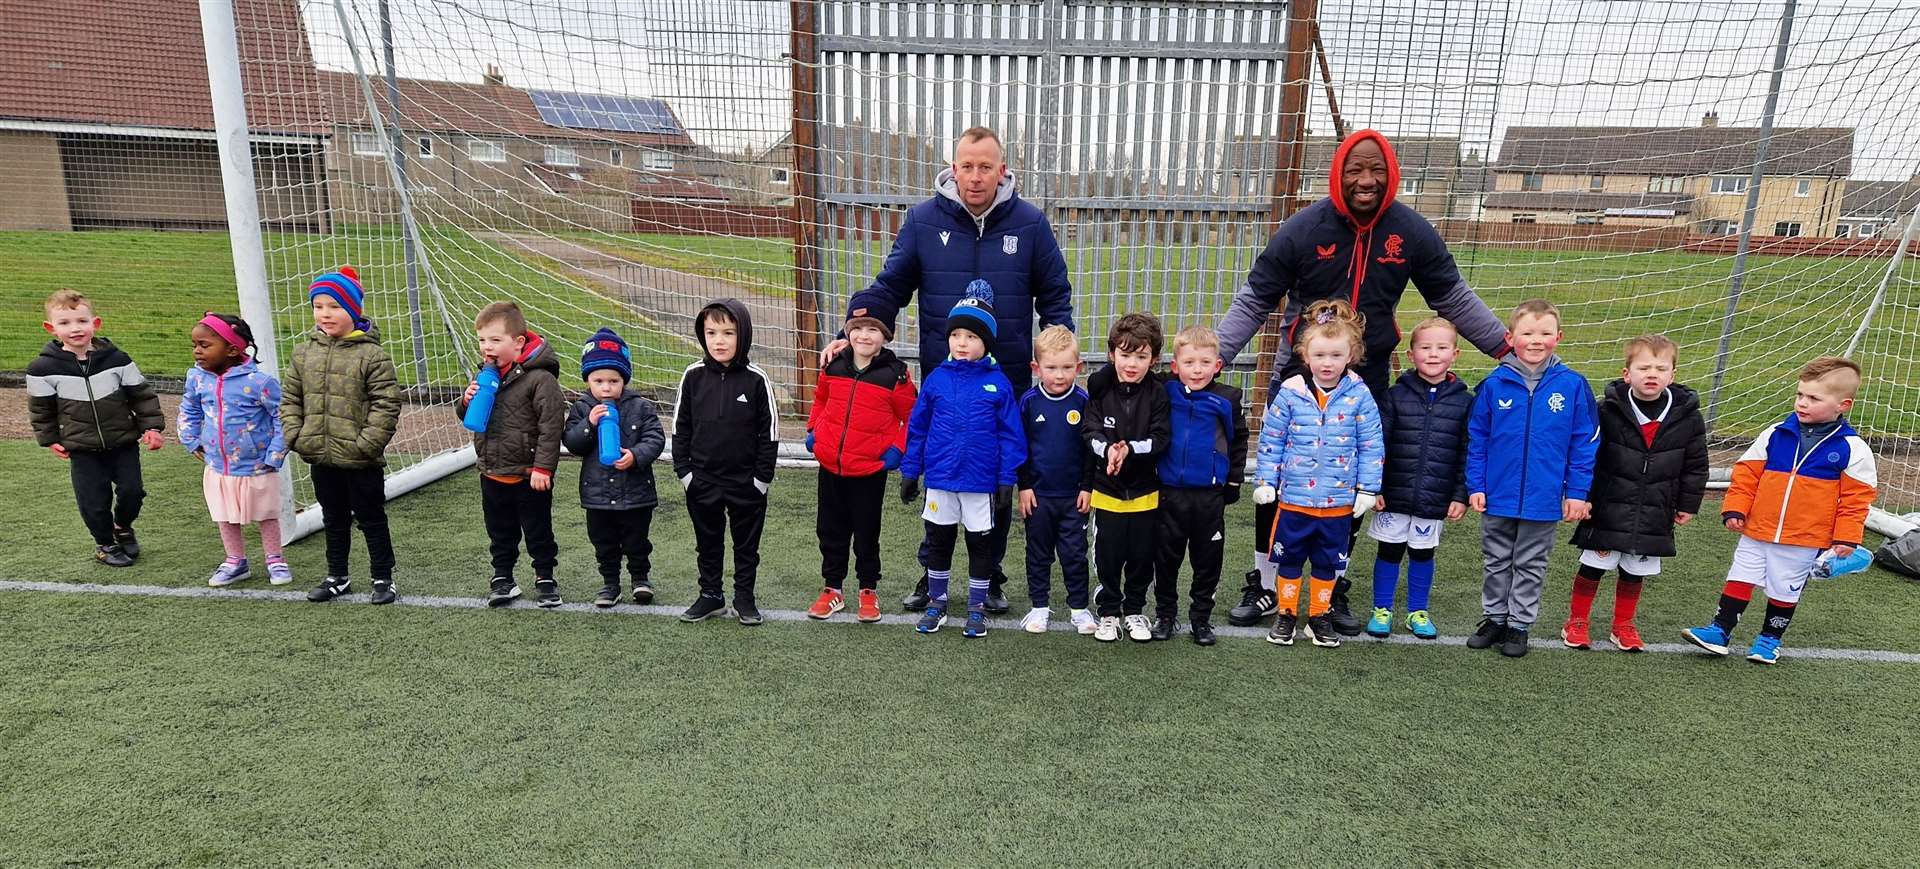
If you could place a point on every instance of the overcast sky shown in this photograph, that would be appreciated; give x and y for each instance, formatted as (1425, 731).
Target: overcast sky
(1410, 67)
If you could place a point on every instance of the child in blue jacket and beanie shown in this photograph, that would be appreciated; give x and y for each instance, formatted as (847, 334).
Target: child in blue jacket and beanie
(966, 439)
(1531, 445)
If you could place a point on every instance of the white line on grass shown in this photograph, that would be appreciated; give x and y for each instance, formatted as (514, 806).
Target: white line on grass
(1011, 626)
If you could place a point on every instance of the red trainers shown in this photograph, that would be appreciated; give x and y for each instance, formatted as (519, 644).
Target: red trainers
(869, 606)
(1574, 634)
(830, 601)
(1626, 637)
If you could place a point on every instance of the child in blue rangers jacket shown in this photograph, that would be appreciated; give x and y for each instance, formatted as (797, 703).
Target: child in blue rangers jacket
(726, 440)
(1321, 453)
(1425, 482)
(965, 437)
(1056, 481)
(1128, 430)
(1199, 476)
(1531, 443)
(619, 499)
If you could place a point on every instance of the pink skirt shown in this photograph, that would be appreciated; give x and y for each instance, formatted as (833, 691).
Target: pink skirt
(241, 500)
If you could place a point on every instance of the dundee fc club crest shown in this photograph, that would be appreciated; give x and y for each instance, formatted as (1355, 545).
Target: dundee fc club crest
(1010, 244)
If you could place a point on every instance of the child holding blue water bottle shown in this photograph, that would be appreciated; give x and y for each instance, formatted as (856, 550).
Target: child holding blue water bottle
(617, 434)
(518, 412)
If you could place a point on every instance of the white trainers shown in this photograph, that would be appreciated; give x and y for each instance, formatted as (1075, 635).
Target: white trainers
(1138, 629)
(1083, 621)
(1108, 629)
(1035, 621)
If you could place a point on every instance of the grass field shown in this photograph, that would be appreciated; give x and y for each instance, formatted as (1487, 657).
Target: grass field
(149, 732)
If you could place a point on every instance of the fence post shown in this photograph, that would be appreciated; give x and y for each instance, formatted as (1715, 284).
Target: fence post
(397, 146)
(805, 58)
(1290, 148)
(1739, 279)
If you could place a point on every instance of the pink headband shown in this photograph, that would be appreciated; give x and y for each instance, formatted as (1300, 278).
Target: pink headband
(225, 332)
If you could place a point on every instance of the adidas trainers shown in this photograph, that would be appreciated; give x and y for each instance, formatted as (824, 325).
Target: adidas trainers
(1138, 630)
(976, 625)
(1108, 630)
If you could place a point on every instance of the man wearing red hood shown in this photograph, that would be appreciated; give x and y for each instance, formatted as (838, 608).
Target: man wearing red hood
(1361, 246)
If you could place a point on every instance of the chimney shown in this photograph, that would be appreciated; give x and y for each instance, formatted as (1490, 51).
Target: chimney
(1710, 119)
(492, 76)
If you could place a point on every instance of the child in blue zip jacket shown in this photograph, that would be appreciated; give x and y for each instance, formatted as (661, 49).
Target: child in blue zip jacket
(1321, 455)
(1200, 475)
(230, 419)
(1531, 444)
(1056, 481)
(966, 438)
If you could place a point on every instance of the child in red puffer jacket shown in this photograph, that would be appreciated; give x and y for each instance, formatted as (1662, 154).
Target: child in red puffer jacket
(858, 432)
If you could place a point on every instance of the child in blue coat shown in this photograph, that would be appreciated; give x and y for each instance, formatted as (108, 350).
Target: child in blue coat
(1320, 455)
(230, 420)
(966, 439)
(1531, 444)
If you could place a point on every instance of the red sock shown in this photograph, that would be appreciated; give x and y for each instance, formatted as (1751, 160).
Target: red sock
(1626, 598)
(1583, 591)
(1742, 591)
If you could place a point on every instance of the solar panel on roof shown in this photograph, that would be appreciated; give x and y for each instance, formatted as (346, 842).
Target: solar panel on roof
(597, 112)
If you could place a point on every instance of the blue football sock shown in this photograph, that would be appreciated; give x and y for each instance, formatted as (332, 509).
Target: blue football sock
(937, 585)
(977, 593)
(1419, 583)
(1386, 580)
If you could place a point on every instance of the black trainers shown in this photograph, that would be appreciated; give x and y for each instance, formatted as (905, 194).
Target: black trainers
(1323, 633)
(1515, 643)
(996, 597)
(329, 588)
(383, 592)
(702, 608)
(503, 591)
(1488, 633)
(1256, 603)
(546, 592)
(128, 543)
(917, 599)
(745, 610)
(1342, 618)
(1282, 632)
(642, 591)
(608, 596)
(112, 556)
(1201, 633)
(1163, 628)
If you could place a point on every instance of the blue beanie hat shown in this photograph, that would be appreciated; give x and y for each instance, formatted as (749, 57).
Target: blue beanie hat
(975, 313)
(606, 350)
(344, 286)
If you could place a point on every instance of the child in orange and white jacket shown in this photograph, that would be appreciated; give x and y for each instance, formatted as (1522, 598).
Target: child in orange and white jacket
(1801, 491)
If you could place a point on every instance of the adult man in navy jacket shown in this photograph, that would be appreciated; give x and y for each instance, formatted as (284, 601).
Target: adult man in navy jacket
(1359, 245)
(975, 226)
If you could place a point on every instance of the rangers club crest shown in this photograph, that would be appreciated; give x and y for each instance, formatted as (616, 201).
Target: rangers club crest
(1394, 241)
(1556, 402)
(1009, 244)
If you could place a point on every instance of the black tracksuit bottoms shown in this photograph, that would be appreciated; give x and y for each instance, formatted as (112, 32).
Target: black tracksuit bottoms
(107, 488)
(849, 512)
(1124, 548)
(355, 495)
(1193, 525)
(513, 510)
(715, 510)
(618, 534)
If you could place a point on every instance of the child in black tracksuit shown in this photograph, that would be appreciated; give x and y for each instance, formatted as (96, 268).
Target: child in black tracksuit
(726, 436)
(619, 498)
(1127, 428)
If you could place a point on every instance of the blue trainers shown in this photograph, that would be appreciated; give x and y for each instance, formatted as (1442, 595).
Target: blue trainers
(976, 625)
(1765, 650)
(933, 619)
(229, 572)
(1711, 637)
(1421, 625)
(1381, 625)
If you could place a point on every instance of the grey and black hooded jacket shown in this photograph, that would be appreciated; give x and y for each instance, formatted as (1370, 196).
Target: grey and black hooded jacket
(99, 403)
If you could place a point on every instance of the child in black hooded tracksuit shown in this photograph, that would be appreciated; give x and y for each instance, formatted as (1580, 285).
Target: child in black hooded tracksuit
(726, 437)
(1128, 426)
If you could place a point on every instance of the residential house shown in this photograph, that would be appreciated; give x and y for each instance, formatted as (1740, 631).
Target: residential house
(1672, 176)
(106, 117)
(1874, 208)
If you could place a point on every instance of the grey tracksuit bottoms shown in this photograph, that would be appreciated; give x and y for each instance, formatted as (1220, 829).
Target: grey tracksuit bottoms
(1516, 553)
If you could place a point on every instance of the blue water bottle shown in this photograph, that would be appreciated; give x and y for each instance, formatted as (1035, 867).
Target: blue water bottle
(1829, 567)
(481, 407)
(610, 435)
